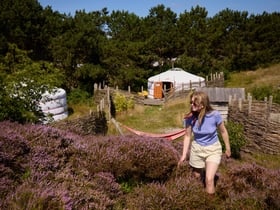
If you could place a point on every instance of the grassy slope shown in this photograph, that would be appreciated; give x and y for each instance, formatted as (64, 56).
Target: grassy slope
(269, 76)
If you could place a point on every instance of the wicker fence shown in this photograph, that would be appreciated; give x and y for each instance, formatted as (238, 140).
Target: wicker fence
(261, 120)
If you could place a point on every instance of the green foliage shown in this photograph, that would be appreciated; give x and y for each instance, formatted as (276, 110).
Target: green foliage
(130, 103)
(236, 138)
(261, 92)
(78, 96)
(120, 48)
(22, 84)
(127, 185)
(122, 103)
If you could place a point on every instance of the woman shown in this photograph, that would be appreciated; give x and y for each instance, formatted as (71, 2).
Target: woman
(206, 149)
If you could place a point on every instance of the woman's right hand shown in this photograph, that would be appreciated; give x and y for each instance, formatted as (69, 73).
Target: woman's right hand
(182, 159)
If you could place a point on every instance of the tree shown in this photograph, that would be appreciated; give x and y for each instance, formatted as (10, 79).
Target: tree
(79, 44)
(230, 40)
(193, 28)
(21, 23)
(161, 33)
(22, 84)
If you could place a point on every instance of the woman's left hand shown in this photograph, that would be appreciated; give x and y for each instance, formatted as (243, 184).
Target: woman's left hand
(228, 153)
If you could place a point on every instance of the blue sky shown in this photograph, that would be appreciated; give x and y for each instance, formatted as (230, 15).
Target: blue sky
(141, 7)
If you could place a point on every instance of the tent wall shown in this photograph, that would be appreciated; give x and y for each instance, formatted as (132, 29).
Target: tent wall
(174, 79)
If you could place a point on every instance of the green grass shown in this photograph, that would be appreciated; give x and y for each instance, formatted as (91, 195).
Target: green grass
(265, 160)
(258, 78)
(156, 119)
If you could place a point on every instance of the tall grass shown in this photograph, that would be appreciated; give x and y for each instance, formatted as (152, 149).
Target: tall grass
(269, 76)
(261, 83)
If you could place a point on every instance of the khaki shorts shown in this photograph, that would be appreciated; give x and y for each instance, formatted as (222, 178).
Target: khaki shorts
(199, 155)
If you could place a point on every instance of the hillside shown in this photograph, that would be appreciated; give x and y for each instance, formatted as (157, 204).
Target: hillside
(269, 76)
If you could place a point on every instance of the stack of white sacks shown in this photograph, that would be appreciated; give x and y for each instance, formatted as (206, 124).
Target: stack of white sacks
(54, 105)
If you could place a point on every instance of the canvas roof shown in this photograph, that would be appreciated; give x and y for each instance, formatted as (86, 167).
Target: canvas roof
(177, 75)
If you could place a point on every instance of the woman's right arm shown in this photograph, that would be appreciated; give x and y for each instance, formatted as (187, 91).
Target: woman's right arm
(187, 140)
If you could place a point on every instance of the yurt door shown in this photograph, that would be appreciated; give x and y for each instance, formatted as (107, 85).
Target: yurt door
(158, 90)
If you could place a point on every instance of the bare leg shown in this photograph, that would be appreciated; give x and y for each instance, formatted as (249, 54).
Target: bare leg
(211, 169)
(197, 172)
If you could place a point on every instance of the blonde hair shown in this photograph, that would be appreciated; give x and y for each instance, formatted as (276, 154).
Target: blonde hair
(201, 99)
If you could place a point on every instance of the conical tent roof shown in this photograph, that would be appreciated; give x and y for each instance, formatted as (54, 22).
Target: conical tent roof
(176, 75)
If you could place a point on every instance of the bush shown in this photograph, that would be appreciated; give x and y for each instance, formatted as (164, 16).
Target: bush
(236, 138)
(250, 186)
(43, 167)
(78, 96)
(122, 103)
(133, 158)
(261, 92)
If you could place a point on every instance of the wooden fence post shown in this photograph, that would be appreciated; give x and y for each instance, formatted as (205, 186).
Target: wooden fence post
(250, 104)
(240, 104)
(95, 87)
(109, 103)
(270, 103)
(248, 96)
(230, 99)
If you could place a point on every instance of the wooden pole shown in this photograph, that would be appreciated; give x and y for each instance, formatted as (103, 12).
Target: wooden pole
(230, 99)
(240, 104)
(270, 103)
(250, 105)
(117, 126)
(109, 103)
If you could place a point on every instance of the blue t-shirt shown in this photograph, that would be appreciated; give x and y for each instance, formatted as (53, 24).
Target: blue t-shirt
(206, 133)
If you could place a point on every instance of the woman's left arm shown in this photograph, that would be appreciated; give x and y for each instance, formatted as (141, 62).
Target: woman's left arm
(225, 137)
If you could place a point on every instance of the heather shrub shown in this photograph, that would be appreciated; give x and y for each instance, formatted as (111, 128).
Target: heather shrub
(43, 167)
(34, 196)
(134, 158)
(184, 192)
(55, 176)
(250, 186)
(14, 151)
(93, 124)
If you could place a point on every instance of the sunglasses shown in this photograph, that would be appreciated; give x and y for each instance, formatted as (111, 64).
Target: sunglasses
(192, 103)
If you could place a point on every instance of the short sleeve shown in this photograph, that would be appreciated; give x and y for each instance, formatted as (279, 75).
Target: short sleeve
(218, 117)
(188, 121)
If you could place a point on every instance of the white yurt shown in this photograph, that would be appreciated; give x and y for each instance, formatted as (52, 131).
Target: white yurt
(54, 104)
(174, 79)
